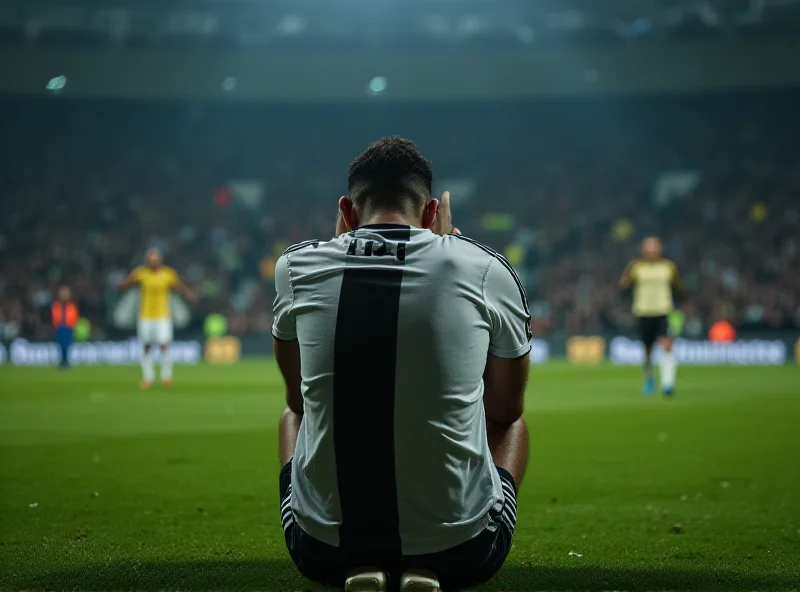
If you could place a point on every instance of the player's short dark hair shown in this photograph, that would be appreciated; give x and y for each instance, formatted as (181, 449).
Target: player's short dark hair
(390, 174)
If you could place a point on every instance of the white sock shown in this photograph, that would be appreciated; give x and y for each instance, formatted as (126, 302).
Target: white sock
(148, 367)
(669, 369)
(166, 365)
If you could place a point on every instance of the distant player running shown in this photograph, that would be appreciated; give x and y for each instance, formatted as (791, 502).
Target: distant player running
(155, 323)
(653, 280)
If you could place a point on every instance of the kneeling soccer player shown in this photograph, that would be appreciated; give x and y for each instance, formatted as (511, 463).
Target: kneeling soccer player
(404, 348)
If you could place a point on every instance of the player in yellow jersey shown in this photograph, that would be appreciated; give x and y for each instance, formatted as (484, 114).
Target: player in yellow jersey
(653, 280)
(155, 281)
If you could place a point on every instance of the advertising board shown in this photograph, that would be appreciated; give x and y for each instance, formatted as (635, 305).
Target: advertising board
(753, 352)
(22, 352)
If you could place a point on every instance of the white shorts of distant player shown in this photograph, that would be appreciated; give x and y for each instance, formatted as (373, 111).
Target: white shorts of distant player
(155, 331)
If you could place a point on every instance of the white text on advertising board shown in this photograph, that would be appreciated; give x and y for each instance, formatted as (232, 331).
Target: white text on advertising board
(111, 353)
(755, 352)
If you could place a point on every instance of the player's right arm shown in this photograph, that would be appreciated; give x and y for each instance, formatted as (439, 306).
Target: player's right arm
(284, 336)
(508, 363)
(628, 276)
(133, 279)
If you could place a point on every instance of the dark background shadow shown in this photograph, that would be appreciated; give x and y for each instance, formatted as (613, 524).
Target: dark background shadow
(281, 575)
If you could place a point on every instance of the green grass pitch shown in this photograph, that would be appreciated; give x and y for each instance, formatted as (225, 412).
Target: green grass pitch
(104, 487)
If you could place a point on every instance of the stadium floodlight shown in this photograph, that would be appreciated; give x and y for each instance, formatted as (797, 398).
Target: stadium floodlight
(56, 84)
(377, 85)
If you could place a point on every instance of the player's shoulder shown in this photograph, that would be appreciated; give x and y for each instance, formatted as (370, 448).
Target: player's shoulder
(475, 249)
(672, 267)
(303, 260)
(470, 246)
(487, 256)
(297, 255)
(309, 244)
(633, 263)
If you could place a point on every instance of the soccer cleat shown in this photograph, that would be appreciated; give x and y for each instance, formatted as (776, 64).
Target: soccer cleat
(366, 579)
(419, 581)
(669, 391)
(167, 382)
(145, 384)
(649, 387)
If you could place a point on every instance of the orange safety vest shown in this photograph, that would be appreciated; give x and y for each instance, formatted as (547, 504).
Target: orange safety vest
(65, 314)
(722, 332)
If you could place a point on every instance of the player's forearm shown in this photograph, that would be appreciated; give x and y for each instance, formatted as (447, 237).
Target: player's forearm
(504, 415)
(184, 290)
(294, 400)
(287, 355)
(509, 447)
(288, 432)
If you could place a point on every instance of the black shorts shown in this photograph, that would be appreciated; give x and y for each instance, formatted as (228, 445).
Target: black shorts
(652, 328)
(464, 566)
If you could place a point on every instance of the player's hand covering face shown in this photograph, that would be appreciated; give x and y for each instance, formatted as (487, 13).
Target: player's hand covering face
(443, 223)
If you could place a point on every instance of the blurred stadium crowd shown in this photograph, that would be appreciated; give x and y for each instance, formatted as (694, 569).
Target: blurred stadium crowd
(565, 189)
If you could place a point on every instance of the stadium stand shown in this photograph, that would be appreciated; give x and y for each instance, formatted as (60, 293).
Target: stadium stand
(565, 189)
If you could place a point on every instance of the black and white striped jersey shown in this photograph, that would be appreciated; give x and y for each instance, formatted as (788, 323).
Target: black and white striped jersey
(394, 325)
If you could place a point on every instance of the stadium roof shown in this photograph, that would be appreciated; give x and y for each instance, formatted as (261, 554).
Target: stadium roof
(316, 24)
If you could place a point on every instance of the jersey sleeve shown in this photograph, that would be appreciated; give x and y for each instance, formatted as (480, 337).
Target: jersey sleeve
(508, 311)
(137, 274)
(674, 276)
(629, 275)
(283, 321)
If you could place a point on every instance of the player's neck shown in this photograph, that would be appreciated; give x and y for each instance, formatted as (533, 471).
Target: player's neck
(388, 217)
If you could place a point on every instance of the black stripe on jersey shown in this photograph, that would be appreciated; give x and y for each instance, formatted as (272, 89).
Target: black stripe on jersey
(364, 360)
(505, 263)
(303, 245)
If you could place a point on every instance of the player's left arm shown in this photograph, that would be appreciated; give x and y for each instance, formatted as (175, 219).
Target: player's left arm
(628, 276)
(133, 279)
(180, 286)
(508, 362)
